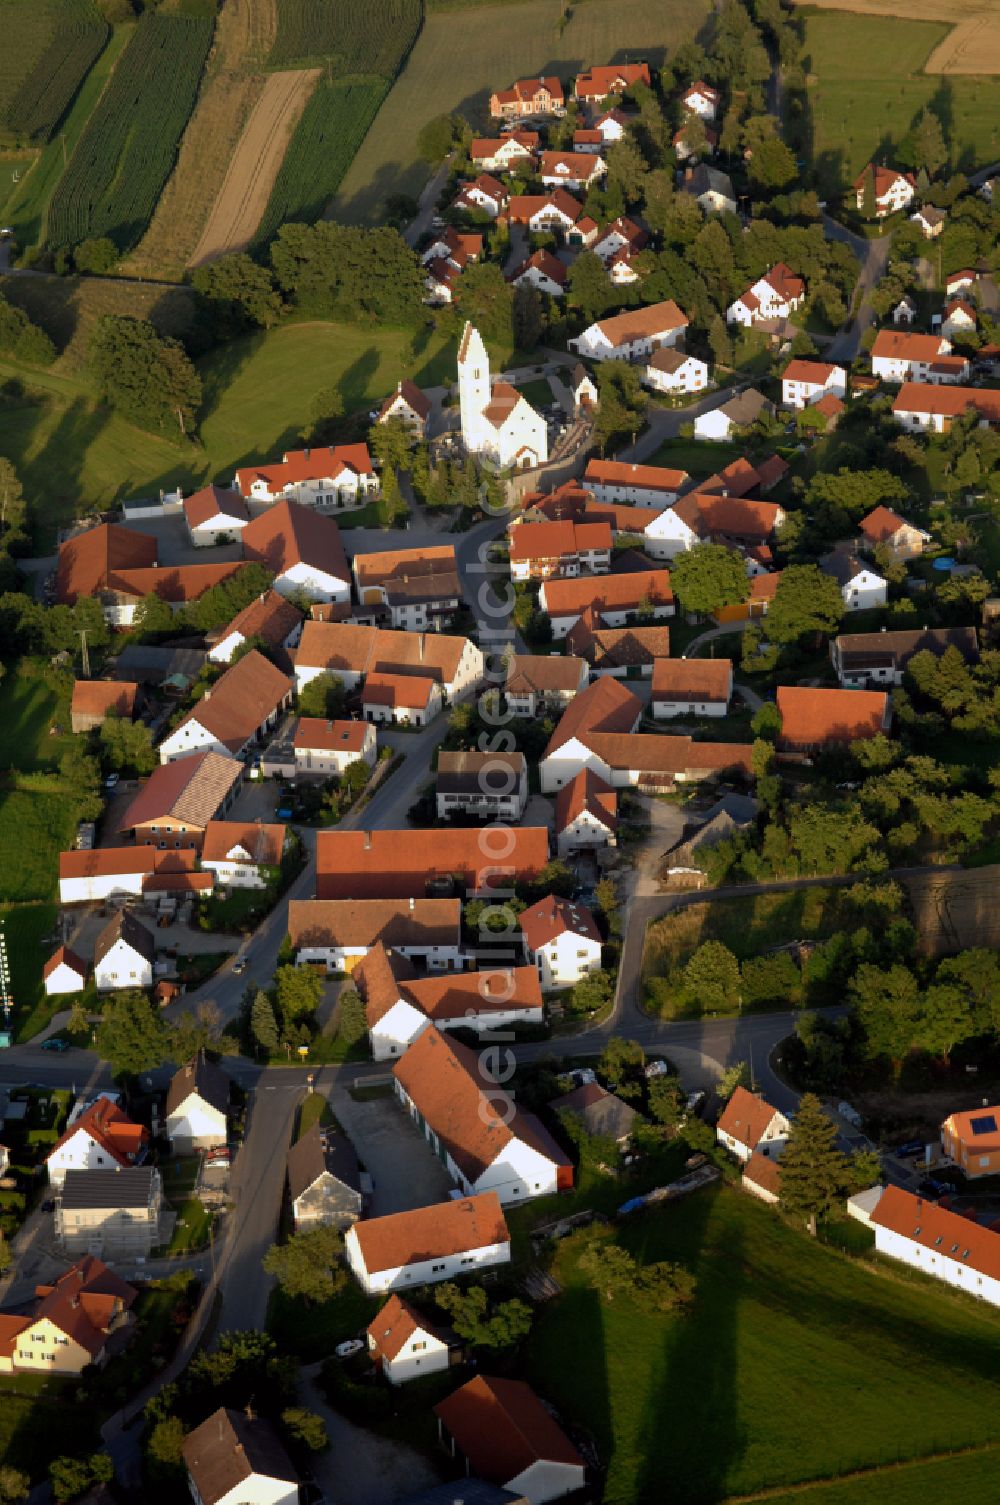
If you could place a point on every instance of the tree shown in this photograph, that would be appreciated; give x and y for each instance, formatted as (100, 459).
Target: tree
(483, 295)
(528, 318)
(772, 165)
(11, 501)
(627, 170)
(71, 1477)
(23, 339)
(868, 204)
(481, 1323)
(241, 290)
(589, 289)
(131, 1035)
(346, 271)
(814, 1173)
(737, 1075)
(299, 991)
(708, 577)
(352, 1019)
(326, 407)
(666, 1101)
(263, 1025)
(806, 603)
(147, 376)
(166, 1442)
(888, 1007)
(14, 1485)
(98, 255)
(306, 1266)
(306, 1427)
(712, 978)
(766, 722)
(436, 138)
(719, 341)
(616, 1273)
(929, 148)
(592, 992)
(153, 617)
(127, 745)
(81, 777)
(621, 1064)
(323, 696)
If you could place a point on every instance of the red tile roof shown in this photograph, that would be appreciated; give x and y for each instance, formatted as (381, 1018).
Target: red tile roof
(552, 917)
(357, 923)
(885, 177)
(961, 1127)
(315, 732)
(543, 261)
(557, 540)
(239, 703)
(394, 1326)
(642, 323)
(263, 843)
(786, 283)
(901, 345)
(400, 864)
(90, 562)
(107, 861)
(608, 593)
(555, 673)
(763, 1171)
(324, 462)
(189, 790)
(948, 401)
(623, 473)
(411, 395)
(703, 679)
(746, 1117)
(64, 956)
(110, 1128)
(612, 78)
(882, 524)
(604, 706)
(670, 755)
(174, 582)
(82, 1302)
(458, 995)
(340, 646)
(811, 718)
(288, 534)
(586, 793)
(503, 1429)
(211, 501)
(713, 516)
(409, 692)
(446, 1228)
(271, 617)
(816, 372)
(941, 1232)
(391, 564)
(101, 697)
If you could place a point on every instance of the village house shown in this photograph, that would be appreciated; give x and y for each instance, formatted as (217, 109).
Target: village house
(586, 814)
(416, 588)
(270, 618)
(574, 170)
(540, 551)
(410, 1249)
(303, 550)
(114, 1214)
(606, 706)
(339, 933)
(115, 872)
(542, 271)
(971, 1140)
(739, 477)
(497, 421)
(762, 593)
(215, 515)
(612, 125)
(624, 652)
(242, 854)
(409, 406)
(651, 763)
(64, 972)
(700, 517)
(932, 408)
(584, 390)
(929, 221)
(68, 1324)
(675, 371)
(93, 700)
(805, 382)
(404, 864)
(711, 189)
(899, 356)
(885, 527)
(687, 145)
(507, 1436)
(528, 96)
(762, 1178)
(170, 670)
(562, 940)
(536, 684)
(812, 719)
(555, 212)
(599, 1112)
(401, 699)
(616, 599)
(944, 1245)
(512, 152)
(637, 485)
(351, 653)
(691, 687)
(332, 479)
(892, 190)
(738, 413)
(622, 235)
(324, 1180)
(234, 714)
(881, 658)
(960, 318)
(484, 1139)
(484, 195)
(776, 295)
(861, 587)
(701, 99)
(124, 953)
(235, 1458)
(905, 311)
(748, 1124)
(196, 1112)
(327, 748)
(118, 567)
(404, 1345)
(177, 801)
(487, 785)
(446, 258)
(393, 1018)
(632, 335)
(957, 283)
(595, 86)
(101, 1136)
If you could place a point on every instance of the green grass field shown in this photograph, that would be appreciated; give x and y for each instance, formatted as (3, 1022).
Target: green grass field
(972, 1479)
(699, 457)
(866, 89)
(458, 59)
(34, 1412)
(48, 46)
(792, 1363)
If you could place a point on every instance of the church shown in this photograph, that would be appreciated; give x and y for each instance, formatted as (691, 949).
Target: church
(497, 423)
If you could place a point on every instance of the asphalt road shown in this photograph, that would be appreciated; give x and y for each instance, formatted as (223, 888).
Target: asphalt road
(873, 256)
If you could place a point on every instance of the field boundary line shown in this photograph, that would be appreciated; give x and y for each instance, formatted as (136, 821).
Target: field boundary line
(777, 1491)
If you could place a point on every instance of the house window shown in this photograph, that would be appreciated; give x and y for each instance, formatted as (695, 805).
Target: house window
(418, 1347)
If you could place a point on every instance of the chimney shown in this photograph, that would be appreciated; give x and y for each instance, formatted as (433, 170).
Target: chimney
(413, 905)
(422, 638)
(368, 841)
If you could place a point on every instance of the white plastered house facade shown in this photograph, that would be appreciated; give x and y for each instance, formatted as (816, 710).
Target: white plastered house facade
(864, 591)
(769, 305)
(797, 394)
(469, 673)
(565, 959)
(331, 760)
(900, 368)
(519, 438)
(423, 1353)
(774, 1138)
(404, 715)
(534, 276)
(585, 833)
(342, 957)
(396, 1030)
(936, 1263)
(80, 1152)
(223, 651)
(715, 424)
(340, 493)
(221, 528)
(122, 966)
(691, 375)
(317, 584)
(195, 1124)
(420, 1271)
(594, 344)
(64, 979)
(667, 535)
(237, 869)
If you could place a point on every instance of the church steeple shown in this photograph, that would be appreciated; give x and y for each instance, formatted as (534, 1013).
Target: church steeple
(473, 386)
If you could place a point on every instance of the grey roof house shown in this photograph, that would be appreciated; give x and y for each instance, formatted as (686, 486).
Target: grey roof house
(324, 1180)
(113, 1214)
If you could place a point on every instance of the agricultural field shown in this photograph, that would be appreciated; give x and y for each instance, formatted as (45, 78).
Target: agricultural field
(351, 39)
(456, 67)
(969, 1477)
(68, 309)
(332, 128)
(867, 84)
(771, 1307)
(127, 151)
(244, 35)
(972, 44)
(47, 47)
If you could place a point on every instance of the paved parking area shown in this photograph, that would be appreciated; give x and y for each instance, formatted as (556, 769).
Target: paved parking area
(403, 1168)
(173, 542)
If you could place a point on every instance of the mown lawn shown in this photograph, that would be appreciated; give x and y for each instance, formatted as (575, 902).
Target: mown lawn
(37, 822)
(30, 705)
(29, 929)
(37, 1424)
(971, 1479)
(315, 1110)
(312, 1331)
(792, 1363)
(699, 457)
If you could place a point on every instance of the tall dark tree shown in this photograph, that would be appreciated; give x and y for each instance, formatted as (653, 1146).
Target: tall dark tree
(814, 1173)
(145, 375)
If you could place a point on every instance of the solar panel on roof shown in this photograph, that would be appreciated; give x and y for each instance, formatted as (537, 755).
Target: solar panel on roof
(985, 1125)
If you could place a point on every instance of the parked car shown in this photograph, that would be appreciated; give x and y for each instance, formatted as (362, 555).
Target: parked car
(931, 1187)
(911, 1147)
(111, 782)
(694, 1102)
(55, 1043)
(239, 966)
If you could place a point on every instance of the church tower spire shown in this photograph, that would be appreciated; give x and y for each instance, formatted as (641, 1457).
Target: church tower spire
(473, 387)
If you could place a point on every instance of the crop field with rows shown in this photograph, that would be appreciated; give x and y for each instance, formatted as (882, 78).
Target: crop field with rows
(47, 48)
(369, 38)
(126, 153)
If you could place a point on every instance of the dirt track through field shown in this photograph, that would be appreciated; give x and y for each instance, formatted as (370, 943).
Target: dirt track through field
(259, 153)
(973, 45)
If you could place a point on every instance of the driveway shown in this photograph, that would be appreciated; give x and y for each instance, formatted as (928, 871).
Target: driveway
(666, 822)
(427, 204)
(403, 1168)
(381, 1470)
(873, 256)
